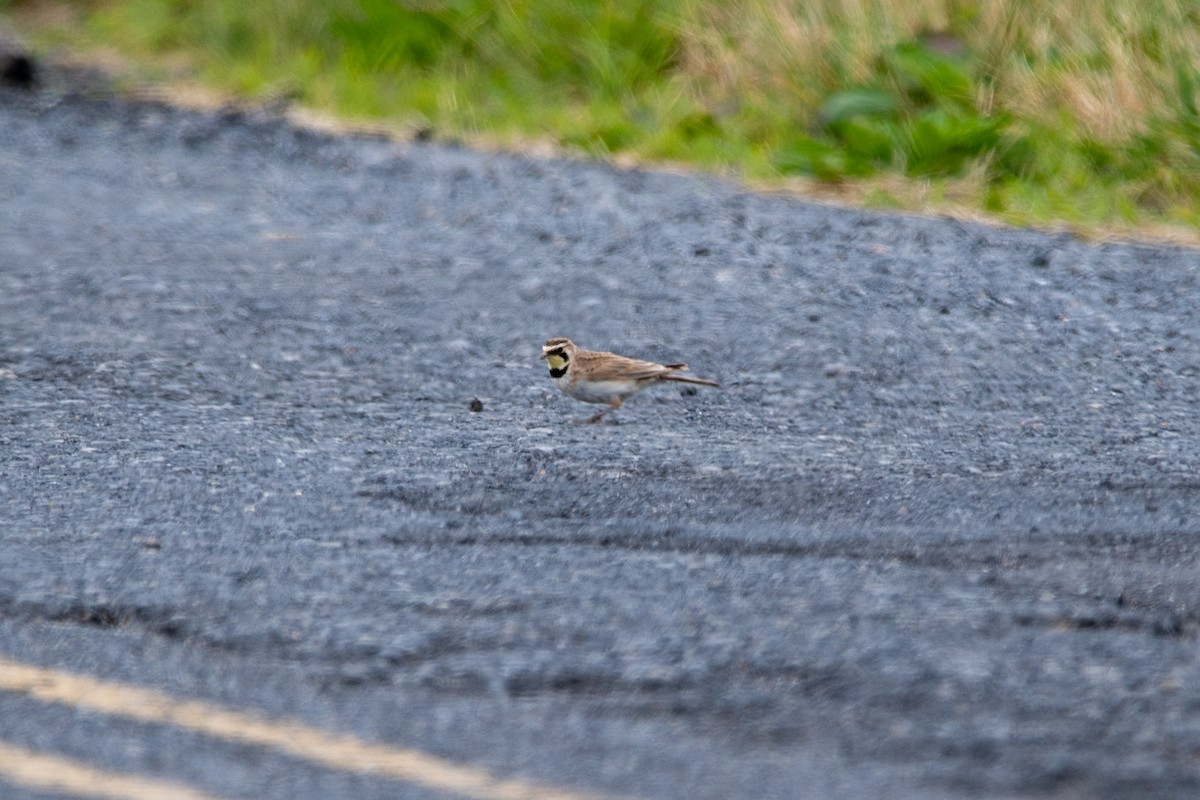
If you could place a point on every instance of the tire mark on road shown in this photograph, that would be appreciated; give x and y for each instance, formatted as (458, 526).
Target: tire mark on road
(337, 751)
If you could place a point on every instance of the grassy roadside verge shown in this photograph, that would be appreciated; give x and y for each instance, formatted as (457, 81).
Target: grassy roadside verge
(1080, 113)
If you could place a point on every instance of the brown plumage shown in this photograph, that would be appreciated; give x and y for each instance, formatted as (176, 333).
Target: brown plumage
(594, 376)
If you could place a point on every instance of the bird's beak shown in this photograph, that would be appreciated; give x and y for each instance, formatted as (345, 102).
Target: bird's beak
(543, 356)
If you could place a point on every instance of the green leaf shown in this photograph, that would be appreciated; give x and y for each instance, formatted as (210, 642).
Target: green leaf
(929, 76)
(868, 139)
(942, 143)
(846, 105)
(820, 159)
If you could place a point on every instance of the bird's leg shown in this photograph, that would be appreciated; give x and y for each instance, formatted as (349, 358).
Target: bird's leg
(599, 415)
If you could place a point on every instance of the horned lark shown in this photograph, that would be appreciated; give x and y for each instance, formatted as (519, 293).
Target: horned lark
(597, 377)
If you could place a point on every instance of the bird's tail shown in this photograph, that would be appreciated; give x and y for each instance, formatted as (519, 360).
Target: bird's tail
(672, 376)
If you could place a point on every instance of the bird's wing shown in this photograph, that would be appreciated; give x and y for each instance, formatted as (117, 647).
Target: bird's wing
(611, 367)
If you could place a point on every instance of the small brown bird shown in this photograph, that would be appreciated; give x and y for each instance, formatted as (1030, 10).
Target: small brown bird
(594, 376)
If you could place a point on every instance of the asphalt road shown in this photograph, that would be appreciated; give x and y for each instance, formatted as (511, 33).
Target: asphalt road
(935, 536)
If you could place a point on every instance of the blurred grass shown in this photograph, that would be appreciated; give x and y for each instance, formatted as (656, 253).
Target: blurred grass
(1081, 112)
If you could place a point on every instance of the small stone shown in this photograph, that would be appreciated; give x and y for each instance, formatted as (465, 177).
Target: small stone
(476, 405)
(17, 69)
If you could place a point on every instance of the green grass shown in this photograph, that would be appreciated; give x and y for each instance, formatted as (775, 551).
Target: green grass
(1081, 112)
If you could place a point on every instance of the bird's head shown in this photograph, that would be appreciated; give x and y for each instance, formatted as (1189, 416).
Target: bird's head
(558, 353)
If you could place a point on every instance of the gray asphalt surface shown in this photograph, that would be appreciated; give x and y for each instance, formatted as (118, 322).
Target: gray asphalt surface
(935, 536)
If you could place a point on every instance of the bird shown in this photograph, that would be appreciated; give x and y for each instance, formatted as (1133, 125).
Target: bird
(595, 376)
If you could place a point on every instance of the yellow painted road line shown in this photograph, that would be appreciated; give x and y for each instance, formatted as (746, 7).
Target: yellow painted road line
(335, 751)
(42, 772)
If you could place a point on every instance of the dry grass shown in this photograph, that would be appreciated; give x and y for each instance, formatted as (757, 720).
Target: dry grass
(1104, 64)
